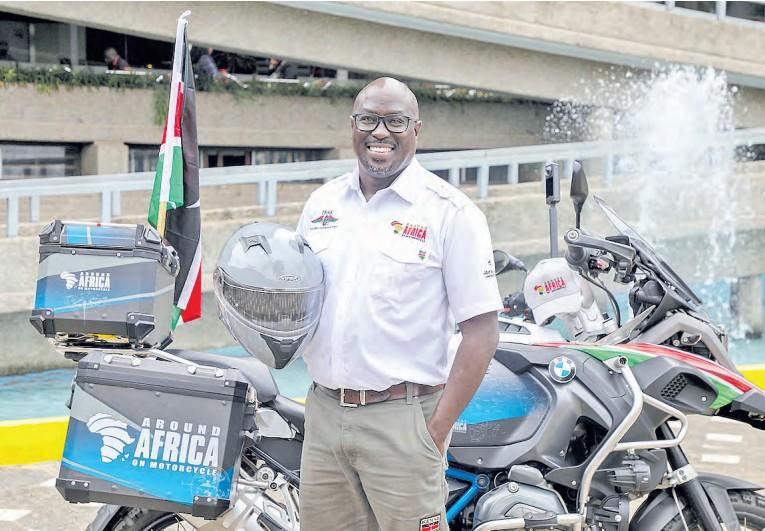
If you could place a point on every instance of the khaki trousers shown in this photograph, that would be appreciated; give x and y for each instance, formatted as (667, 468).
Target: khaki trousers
(372, 467)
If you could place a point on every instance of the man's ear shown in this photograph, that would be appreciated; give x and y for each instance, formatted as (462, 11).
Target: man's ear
(417, 127)
(351, 122)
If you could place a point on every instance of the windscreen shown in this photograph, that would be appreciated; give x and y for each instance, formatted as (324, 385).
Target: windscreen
(649, 255)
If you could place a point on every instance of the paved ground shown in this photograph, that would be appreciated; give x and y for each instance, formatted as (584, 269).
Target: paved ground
(29, 501)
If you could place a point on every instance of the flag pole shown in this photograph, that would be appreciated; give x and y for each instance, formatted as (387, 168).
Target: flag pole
(175, 80)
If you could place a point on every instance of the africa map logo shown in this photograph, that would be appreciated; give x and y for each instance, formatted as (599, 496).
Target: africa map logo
(70, 278)
(114, 435)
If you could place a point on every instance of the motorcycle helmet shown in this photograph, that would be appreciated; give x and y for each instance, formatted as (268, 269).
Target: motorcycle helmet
(269, 287)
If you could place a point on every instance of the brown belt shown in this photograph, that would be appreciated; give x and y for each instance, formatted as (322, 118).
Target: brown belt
(354, 398)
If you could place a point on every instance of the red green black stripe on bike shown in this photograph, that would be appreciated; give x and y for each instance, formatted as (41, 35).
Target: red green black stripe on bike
(729, 385)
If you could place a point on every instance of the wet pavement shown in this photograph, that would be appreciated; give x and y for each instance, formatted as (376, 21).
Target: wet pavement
(29, 500)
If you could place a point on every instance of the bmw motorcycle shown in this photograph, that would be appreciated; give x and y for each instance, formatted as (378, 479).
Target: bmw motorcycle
(560, 435)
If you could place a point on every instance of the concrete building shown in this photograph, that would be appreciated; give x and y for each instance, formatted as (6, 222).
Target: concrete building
(530, 53)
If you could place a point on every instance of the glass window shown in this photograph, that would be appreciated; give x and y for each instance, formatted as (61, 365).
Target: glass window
(282, 155)
(14, 38)
(143, 158)
(136, 51)
(28, 161)
(222, 157)
(51, 41)
(706, 7)
(746, 10)
(215, 157)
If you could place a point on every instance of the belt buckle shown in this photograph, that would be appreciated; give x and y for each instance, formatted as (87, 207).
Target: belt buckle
(362, 398)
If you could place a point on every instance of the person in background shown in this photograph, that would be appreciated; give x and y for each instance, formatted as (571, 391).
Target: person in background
(279, 68)
(208, 67)
(114, 61)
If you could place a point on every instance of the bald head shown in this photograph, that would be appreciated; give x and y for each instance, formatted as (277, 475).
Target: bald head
(391, 91)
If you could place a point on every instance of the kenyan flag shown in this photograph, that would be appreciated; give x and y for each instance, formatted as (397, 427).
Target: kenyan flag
(174, 206)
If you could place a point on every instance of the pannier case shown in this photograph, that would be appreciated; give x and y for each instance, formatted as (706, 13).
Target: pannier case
(154, 434)
(104, 285)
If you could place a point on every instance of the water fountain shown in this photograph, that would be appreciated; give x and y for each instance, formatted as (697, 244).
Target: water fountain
(681, 118)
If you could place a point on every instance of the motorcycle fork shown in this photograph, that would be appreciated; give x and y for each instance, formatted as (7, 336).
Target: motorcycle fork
(692, 490)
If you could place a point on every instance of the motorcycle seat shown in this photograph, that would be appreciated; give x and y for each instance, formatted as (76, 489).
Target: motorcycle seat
(293, 411)
(256, 372)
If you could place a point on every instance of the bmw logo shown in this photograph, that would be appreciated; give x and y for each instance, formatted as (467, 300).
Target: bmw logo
(562, 369)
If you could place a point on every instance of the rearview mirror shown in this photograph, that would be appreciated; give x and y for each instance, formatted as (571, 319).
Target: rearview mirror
(506, 262)
(579, 190)
(501, 261)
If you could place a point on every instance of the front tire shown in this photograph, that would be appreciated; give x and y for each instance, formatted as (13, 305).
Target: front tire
(749, 507)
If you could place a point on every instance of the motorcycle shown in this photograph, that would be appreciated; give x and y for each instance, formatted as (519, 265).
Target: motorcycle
(560, 435)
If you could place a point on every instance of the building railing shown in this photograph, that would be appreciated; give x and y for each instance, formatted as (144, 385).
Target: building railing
(267, 176)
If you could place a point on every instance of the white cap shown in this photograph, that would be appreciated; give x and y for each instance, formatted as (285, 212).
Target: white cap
(552, 288)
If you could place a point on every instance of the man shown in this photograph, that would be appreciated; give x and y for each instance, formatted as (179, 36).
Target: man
(404, 255)
(114, 61)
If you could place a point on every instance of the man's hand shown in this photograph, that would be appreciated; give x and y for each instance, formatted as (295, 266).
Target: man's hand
(480, 336)
(439, 439)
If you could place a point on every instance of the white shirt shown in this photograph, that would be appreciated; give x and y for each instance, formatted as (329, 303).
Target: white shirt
(399, 271)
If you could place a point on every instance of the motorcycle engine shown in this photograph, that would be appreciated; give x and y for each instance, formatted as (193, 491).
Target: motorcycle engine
(525, 495)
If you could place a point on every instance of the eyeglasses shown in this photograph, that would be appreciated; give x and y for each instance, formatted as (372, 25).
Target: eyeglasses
(395, 123)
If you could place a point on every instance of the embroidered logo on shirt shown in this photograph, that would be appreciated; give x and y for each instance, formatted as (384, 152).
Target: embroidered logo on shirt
(431, 523)
(422, 254)
(326, 220)
(410, 230)
(488, 271)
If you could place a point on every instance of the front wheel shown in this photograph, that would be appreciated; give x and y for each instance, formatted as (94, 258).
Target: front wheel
(749, 507)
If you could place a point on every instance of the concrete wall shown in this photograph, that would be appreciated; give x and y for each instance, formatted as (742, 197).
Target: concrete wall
(109, 119)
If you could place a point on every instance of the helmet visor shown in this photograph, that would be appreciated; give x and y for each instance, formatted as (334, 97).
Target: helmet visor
(283, 313)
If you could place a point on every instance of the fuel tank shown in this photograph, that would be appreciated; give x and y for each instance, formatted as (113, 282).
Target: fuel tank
(532, 402)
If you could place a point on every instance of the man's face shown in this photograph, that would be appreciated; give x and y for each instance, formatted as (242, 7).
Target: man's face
(383, 154)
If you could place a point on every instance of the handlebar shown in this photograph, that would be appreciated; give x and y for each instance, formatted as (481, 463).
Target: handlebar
(576, 238)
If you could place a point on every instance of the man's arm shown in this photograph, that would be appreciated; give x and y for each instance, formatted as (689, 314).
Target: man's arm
(480, 335)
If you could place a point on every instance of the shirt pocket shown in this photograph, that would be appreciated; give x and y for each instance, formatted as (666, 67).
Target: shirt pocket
(321, 240)
(399, 270)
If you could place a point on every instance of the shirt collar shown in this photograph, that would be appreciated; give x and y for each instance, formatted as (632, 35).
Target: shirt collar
(407, 184)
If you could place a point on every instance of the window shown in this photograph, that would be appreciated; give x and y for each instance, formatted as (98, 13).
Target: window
(33, 40)
(14, 38)
(746, 10)
(143, 158)
(29, 161)
(280, 155)
(214, 157)
(137, 51)
(705, 7)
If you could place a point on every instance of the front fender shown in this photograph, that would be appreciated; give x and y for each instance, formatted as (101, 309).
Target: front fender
(660, 508)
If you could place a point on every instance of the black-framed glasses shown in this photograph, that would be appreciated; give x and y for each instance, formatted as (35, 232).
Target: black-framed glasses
(368, 122)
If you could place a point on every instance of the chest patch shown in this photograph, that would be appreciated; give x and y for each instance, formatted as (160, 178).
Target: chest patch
(325, 220)
(410, 230)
